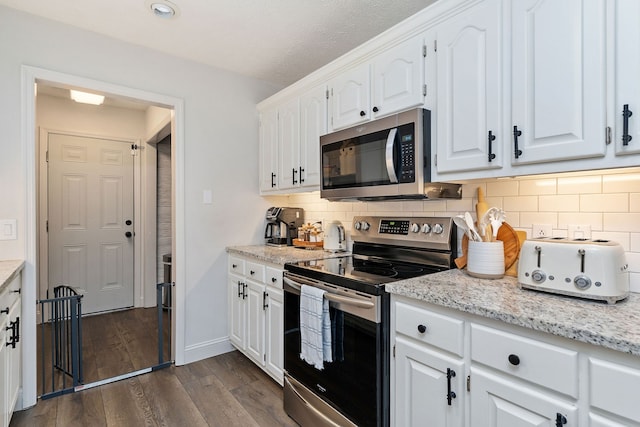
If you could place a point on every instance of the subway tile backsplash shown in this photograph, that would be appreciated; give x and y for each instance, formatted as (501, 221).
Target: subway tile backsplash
(607, 201)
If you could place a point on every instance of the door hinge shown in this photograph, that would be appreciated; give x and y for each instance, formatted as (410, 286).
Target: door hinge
(468, 382)
(424, 90)
(424, 50)
(608, 138)
(435, 45)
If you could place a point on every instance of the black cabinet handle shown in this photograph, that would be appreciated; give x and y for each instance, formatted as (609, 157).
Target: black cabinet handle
(5, 311)
(244, 291)
(265, 295)
(128, 234)
(239, 289)
(490, 140)
(301, 178)
(17, 291)
(234, 265)
(626, 113)
(293, 176)
(273, 177)
(422, 329)
(514, 359)
(274, 280)
(450, 394)
(252, 272)
(362, 114)
(560, 420)
(516, 133)
(375, 109)
(128, 222)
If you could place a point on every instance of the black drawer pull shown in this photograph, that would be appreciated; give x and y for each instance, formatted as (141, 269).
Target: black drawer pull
(375, 109)
(6, 310)
(362, 114)
(560, 420)
(626, 113)
(516, 133)
(514, 359)
(274, 280)
(422, 329)
(450, 394)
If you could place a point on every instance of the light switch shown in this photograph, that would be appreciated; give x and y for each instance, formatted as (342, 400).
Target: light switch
(8, 229)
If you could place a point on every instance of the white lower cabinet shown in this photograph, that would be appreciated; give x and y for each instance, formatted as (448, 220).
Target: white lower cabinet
(10, 349)
(256, 315)
(505, 376)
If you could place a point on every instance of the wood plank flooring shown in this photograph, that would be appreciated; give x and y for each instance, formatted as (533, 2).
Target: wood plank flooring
(227, 390)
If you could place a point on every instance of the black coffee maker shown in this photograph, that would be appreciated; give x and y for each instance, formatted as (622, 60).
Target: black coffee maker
(282, 225)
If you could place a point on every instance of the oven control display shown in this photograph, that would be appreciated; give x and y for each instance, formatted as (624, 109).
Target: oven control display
(388, 226)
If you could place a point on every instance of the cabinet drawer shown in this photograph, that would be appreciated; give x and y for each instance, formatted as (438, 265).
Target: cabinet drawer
(431, 328)
(535, 361)
(254, 271)
(236, 265)
(274, 277)
(614, 388)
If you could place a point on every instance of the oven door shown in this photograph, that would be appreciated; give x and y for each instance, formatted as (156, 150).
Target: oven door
(356, 383)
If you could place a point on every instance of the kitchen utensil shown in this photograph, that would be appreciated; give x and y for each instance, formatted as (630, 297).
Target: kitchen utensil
(481, 209)
(496, 218)
(511, 244)
(486, 259)
(513, 270)
(472, 227)
(462, 224)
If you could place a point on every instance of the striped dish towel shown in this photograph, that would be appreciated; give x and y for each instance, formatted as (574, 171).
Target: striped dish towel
(315, 327)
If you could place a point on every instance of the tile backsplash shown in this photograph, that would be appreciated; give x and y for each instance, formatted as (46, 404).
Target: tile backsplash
(607, 202)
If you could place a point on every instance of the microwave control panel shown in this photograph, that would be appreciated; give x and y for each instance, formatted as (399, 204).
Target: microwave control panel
(407, 151)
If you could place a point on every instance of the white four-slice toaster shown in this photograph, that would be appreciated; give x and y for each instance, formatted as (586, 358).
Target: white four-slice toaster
(594, 269)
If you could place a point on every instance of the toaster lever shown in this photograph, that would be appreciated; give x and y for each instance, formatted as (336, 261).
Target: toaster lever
(539, 251)
(581, 252)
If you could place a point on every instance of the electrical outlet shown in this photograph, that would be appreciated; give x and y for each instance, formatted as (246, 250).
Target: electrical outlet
(541, 230)
(579, 232)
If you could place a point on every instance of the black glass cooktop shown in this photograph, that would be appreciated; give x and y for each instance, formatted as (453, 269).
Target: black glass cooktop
(359, 272)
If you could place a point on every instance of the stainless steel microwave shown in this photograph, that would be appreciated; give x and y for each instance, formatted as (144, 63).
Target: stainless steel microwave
(385, 159)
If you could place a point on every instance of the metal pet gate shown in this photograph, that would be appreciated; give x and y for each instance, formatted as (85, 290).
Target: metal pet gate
(61, 368)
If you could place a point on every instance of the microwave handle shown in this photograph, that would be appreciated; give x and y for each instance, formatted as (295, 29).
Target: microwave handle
(391, 169)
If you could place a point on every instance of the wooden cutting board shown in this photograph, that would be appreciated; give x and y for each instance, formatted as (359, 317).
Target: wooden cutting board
(510, 241)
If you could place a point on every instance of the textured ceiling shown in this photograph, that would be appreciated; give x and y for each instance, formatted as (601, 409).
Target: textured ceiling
(279, 41)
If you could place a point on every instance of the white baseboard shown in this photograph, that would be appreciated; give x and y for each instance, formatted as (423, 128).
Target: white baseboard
(204, 350)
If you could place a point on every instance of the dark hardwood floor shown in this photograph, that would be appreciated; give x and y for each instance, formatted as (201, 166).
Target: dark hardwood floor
(227, 390)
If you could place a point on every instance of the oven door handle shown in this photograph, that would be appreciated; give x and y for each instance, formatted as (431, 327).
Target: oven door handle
(334, 297)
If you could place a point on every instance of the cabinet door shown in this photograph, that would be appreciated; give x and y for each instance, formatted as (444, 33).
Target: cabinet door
(350, 97)
(398, 78)
(558, 80)
(255, 321)
(274, 334)
(627, 63)
(421, 387)
(237, 311)
(313, 124)
(289, 144)
(469, 85)
(497, 401)
(14, 360)
(268, 150)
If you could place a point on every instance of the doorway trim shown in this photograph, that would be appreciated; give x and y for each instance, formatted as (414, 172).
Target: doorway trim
(30, 75)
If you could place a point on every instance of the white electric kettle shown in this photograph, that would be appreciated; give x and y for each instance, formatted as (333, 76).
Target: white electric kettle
(334, 237)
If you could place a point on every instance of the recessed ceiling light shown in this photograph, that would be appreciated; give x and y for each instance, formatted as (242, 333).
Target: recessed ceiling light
(162, 8)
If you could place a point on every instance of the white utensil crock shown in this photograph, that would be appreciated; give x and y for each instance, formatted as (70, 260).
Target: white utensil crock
(485, 260)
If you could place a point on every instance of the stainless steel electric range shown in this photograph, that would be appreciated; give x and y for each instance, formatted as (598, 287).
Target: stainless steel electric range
(353, 389)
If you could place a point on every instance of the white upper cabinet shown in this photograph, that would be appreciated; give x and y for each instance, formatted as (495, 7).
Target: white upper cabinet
(469, 90)
(398, 78)
(349, 94)
(268, 150)
(313, 124)
(289, 144)
(627, 64)
(557, 91)
(392, 81)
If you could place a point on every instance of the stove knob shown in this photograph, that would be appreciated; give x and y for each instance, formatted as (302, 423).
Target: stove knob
(415, 228)
(365, 226)
(582, 282)
(357, 225)
(426, 228)
(438, 228)
(538, 276)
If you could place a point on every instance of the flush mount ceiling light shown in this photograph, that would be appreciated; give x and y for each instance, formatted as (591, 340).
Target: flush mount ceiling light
(86, 98)
(162, 8)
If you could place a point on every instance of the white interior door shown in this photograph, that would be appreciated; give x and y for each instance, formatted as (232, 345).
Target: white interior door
(90, 210)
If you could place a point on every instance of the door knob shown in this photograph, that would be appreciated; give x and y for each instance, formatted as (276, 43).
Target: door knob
(128, 234)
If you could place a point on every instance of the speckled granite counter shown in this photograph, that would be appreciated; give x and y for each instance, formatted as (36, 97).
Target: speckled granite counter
(281, 255)
(613, 326)
(8, 270)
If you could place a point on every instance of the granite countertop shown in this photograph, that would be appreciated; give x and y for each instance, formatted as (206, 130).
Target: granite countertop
(281, 255)
(612, 326)
(8, 270)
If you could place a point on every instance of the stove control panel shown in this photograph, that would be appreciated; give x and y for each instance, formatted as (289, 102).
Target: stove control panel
(426, 232)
